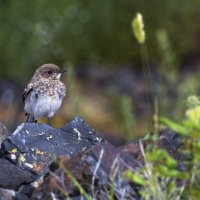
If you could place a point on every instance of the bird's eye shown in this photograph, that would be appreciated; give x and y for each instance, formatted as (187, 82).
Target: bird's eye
(49, 72)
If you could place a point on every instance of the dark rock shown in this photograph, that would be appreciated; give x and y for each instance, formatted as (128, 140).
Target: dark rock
(95, 170)
(24, 193)
(132, 148)
(3, 132)
(32, 147)
(12, 176)
(73, 152)
(173, 143)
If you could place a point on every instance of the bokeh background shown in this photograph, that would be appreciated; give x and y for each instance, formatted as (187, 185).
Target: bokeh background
(94, 41)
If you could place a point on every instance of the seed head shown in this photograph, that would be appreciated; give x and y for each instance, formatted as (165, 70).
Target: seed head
(138, 28)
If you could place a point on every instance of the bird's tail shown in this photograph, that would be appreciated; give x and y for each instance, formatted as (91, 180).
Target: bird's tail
(31, 119)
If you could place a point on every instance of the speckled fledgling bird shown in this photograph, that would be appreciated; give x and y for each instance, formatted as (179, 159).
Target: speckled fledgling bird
(44, 93)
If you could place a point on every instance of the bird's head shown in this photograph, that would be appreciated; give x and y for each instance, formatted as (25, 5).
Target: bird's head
(49, 71)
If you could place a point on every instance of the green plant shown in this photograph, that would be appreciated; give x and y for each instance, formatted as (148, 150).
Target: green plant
(140, 35)
(190, 127)
(159, 176)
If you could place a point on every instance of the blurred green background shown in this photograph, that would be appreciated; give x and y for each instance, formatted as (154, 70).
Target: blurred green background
(94, 41)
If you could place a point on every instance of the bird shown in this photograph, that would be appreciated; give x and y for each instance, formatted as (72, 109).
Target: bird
(44, 93)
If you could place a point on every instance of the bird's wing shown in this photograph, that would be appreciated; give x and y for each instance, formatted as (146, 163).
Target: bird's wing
(27, 91)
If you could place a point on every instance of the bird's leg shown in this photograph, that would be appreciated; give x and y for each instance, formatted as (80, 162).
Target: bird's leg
(30, 119)
(49, 120)
(27, 117)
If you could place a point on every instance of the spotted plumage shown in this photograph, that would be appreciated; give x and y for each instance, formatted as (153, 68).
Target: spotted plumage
(44, 93)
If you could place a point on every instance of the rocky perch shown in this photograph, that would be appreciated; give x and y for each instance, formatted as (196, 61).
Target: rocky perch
(38, 161)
